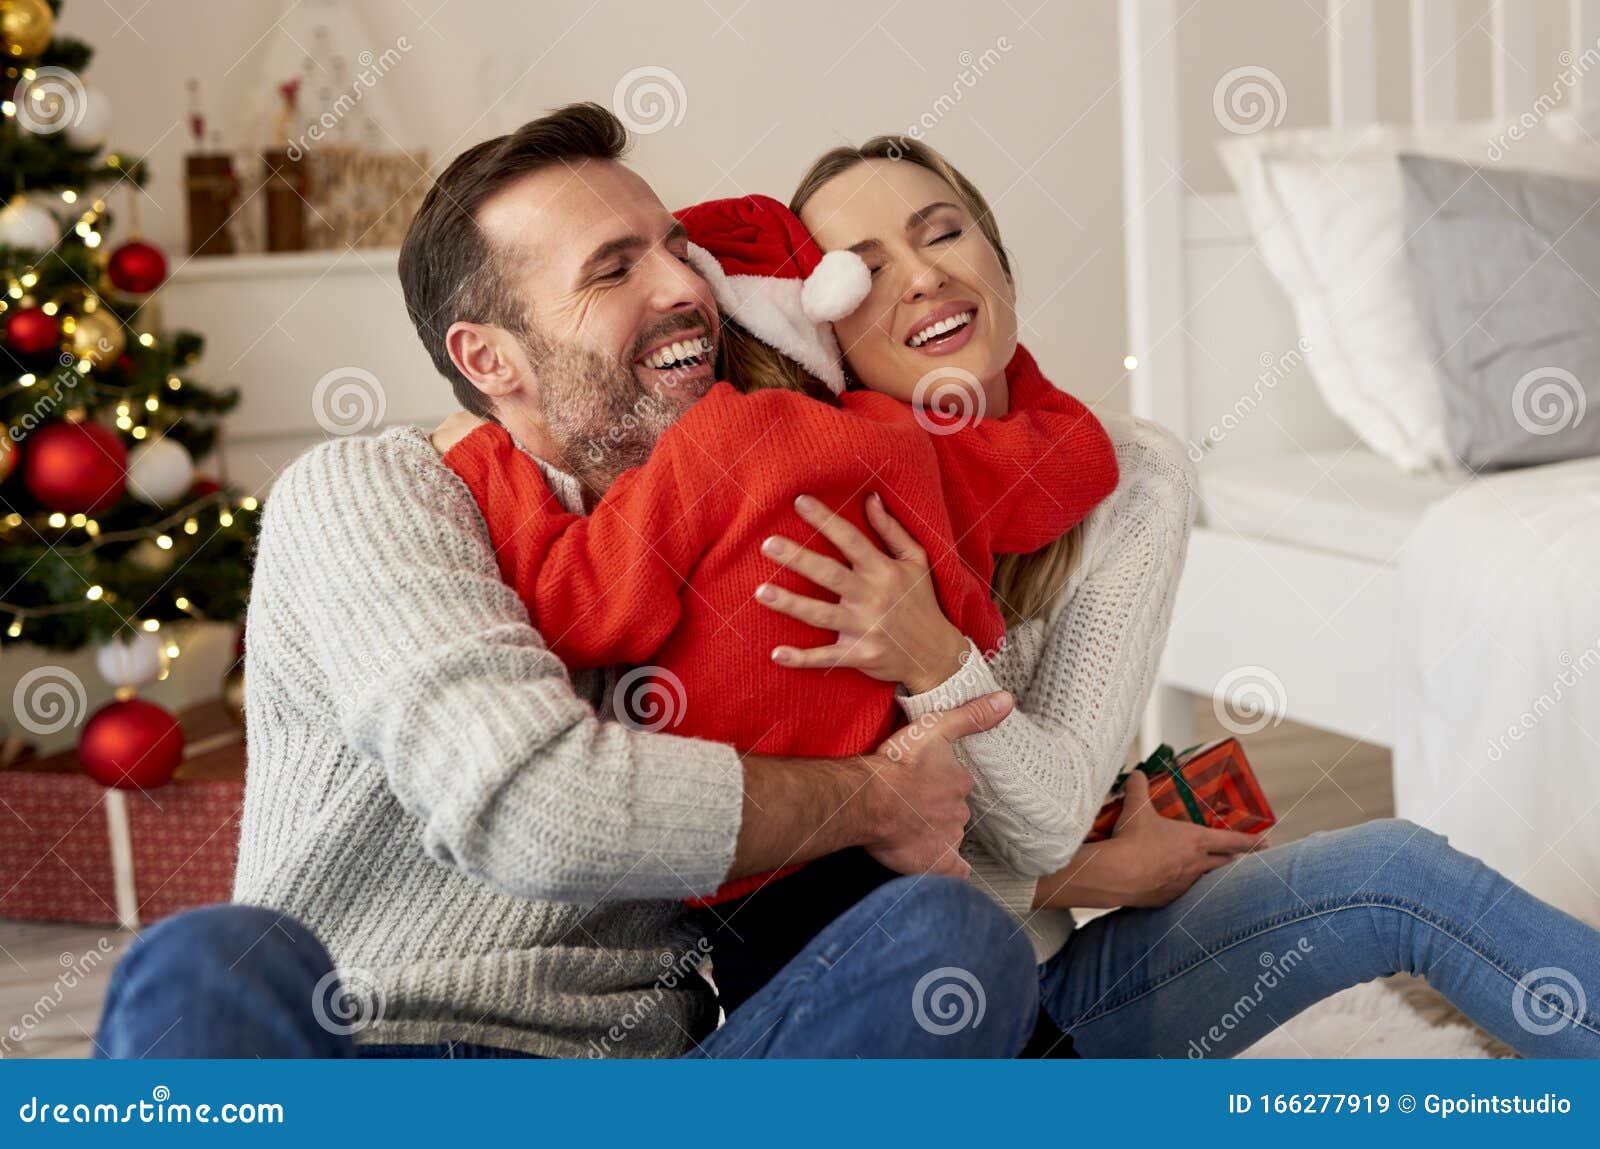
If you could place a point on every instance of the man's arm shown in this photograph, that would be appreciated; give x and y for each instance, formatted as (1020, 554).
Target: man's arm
(906, 803)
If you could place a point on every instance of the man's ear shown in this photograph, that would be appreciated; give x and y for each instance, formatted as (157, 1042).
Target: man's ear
(487, 355)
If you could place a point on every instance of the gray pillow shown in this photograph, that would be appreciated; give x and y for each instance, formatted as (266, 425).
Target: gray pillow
(1506, 269)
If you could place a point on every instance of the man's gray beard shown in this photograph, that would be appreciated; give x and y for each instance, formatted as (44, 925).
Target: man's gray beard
(601, 417)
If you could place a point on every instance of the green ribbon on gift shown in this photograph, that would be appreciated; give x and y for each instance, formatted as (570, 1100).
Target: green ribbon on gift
(1164, 760)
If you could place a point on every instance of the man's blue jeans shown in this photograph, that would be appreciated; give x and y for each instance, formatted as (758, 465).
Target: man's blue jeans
(900, 974)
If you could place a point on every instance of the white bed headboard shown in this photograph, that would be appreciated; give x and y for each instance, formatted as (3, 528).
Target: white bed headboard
(1211, 334)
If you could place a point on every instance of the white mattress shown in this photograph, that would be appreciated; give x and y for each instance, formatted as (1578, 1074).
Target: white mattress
(1349, 502)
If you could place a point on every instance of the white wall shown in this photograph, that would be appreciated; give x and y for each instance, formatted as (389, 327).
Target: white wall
(765, 93)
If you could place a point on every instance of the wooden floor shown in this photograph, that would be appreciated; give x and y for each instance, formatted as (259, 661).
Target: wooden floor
(1315, 781)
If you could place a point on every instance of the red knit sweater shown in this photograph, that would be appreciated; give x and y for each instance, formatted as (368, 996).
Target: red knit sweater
(663, 571)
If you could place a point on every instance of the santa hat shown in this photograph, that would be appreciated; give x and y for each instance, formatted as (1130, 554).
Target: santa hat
(770, 277)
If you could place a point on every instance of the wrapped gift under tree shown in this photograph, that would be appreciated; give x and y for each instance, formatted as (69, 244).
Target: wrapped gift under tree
(74, 850)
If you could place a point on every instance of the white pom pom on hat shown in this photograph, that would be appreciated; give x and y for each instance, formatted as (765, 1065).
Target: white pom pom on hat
(770, 278)
(836, 288)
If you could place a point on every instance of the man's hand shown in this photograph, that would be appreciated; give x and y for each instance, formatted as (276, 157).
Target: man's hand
(918, 791)
(454, 429)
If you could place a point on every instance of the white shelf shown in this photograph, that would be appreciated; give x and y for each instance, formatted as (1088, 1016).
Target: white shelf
(285, 265)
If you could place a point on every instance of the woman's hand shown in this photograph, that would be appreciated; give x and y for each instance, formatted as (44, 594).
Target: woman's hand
(454, 429)
(1148, 861)
(888, 619)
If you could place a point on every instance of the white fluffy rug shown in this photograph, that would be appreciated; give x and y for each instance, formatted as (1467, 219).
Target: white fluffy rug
(1394, 1017)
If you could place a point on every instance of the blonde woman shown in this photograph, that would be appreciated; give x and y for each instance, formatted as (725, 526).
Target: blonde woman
(1206, 922)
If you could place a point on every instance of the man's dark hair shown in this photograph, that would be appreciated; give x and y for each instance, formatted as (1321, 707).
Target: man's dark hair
(449, 270)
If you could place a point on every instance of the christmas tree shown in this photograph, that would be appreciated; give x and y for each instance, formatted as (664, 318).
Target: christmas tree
(106, 531)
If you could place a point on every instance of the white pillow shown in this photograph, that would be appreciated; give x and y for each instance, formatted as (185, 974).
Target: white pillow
(1327, 209)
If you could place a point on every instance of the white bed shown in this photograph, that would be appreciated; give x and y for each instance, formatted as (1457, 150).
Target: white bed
(1324, 584)
(1348, 502)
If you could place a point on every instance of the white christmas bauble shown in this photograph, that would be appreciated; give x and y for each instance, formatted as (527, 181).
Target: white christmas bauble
(159, 471)
(23, 223)
(132, 659)
(88, 129)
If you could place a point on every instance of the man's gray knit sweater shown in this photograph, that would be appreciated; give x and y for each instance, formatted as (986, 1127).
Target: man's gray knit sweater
(431, 792)
(486, 859)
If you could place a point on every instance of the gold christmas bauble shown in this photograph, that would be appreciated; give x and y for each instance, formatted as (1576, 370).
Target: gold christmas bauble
(97, 337)
(26, 26)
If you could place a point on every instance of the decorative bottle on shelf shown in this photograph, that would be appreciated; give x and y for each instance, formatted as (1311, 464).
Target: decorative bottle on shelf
(286, 182)
(211, 186)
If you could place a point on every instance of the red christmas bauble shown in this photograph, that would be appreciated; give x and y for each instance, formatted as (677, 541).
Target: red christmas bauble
(131, 745)
(75, 467)
(31, 332)
(204, 487)
(137, 267)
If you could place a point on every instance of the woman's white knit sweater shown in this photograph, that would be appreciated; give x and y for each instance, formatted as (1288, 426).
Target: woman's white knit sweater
(489, 861)
(1081, 679)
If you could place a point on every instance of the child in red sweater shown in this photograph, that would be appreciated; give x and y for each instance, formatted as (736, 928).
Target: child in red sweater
(663, 570)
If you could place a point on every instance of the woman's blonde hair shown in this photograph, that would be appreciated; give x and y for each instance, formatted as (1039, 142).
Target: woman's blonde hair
(1024, 586)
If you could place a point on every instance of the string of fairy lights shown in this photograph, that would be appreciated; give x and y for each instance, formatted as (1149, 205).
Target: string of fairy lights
(132, 413)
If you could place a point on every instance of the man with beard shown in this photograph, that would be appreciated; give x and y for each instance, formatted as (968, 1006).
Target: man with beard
(493, 860)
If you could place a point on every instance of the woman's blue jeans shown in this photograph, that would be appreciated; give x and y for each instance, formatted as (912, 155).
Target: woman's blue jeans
(1254, 943)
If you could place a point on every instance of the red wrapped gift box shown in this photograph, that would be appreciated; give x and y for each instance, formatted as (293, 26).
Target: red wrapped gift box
(73, 851)
(1211, 785)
